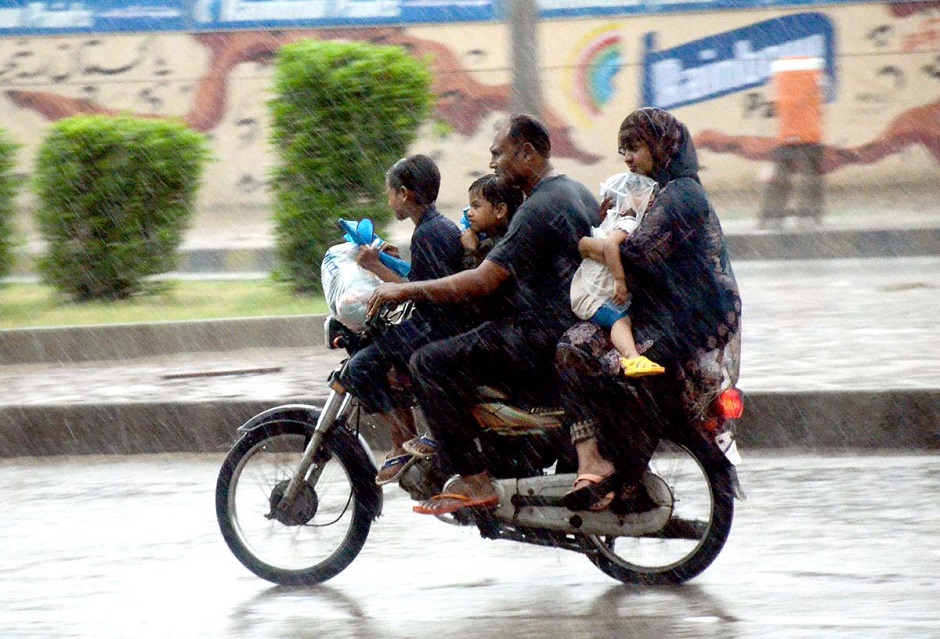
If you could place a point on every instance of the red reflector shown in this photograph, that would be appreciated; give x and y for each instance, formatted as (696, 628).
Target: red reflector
(731, 404)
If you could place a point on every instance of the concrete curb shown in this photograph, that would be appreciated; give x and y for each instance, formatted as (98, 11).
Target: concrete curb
(834, 244)
(897, 420)
(133, 341)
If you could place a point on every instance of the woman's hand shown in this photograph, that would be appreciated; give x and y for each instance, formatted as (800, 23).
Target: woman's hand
(386, 294)
(606, 204)
(470, 240)
(591, 248)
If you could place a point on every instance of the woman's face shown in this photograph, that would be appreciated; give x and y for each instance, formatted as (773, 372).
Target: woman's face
(636, 155)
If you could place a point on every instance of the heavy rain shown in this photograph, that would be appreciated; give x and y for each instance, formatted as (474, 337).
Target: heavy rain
(123, 514)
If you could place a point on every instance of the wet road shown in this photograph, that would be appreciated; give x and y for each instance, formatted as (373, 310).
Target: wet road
(118, 547)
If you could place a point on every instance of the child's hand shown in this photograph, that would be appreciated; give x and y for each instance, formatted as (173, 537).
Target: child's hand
(391, 249)
(470, 240)
(368, 258)
(620, 293)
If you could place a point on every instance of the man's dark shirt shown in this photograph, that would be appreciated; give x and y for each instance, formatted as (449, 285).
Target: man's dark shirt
(540, 251)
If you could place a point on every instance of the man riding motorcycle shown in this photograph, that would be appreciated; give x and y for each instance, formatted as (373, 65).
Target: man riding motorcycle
(536, 259)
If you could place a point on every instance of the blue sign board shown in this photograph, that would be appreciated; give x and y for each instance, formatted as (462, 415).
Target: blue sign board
(227, 14)
(37, 17)
(32, 17)
(598, 8)
(734, 60)
(44, 18)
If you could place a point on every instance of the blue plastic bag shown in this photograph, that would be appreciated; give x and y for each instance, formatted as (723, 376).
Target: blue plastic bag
(362, 233)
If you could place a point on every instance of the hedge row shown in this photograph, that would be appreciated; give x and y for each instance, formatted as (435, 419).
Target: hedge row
(116, 194)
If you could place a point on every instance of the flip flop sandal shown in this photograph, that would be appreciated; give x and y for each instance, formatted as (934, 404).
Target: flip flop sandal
(423, 446)
(596, 496)
(399, 463)
(640, 367)
(437, 505)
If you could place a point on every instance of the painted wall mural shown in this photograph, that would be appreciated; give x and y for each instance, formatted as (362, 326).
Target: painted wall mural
(882, 115)
(596, 60)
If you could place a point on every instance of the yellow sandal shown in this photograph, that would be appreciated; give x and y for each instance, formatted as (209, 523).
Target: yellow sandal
(640, 367)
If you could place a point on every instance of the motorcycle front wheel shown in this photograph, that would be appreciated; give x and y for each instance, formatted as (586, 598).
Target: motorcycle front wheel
(319, 534)
(703, 508)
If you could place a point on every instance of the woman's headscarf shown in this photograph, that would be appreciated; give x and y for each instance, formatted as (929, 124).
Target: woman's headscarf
(657, 129)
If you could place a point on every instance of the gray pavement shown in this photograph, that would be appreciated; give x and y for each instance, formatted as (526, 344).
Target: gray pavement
(837, 354)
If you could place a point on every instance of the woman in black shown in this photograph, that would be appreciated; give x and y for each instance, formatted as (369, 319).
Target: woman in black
(686, 307)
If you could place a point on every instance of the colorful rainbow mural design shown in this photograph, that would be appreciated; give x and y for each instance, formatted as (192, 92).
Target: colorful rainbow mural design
(596, 60)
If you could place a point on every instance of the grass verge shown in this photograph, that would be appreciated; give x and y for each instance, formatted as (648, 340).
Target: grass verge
(34, 305)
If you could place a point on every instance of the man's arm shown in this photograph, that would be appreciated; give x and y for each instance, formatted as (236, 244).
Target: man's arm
(458, 287)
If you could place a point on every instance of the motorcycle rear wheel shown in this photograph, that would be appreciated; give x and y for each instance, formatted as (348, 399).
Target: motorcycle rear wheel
(315, 539)
(703, 509)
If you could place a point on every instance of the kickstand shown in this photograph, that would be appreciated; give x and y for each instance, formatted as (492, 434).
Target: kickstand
(484, 520)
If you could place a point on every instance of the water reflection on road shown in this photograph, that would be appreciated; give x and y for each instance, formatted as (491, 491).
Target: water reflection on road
(128, 547)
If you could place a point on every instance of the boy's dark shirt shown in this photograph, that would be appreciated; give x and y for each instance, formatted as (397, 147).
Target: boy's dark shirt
(498, 303)
(436, 252)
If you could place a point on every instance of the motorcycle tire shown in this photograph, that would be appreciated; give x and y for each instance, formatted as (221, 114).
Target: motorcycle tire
(329, 521)
(703, 501)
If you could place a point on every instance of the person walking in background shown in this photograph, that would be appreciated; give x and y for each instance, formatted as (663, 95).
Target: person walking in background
(798, 100)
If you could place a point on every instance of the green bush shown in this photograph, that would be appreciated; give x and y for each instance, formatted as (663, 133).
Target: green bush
(115, 196)
(342, 115)
(8, 187)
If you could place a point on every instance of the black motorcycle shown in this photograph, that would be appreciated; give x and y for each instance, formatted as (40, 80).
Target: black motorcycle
(296, 495)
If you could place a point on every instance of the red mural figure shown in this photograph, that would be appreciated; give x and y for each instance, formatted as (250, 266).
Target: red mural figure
(918, 125)
(462, 101)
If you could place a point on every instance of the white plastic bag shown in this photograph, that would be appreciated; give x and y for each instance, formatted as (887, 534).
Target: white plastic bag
(346, 285)
(629, 191)
(593, 282)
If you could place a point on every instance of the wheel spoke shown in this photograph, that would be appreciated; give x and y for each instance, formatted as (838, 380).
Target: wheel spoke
(689, 540)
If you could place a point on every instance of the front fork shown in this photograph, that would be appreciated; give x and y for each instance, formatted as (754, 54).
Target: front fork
(336, 404)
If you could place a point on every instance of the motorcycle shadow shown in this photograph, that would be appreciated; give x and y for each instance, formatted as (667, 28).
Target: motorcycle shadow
(302, 612)
(666, 611)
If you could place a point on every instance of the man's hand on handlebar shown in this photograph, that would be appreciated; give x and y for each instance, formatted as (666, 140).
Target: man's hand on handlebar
(386, 294)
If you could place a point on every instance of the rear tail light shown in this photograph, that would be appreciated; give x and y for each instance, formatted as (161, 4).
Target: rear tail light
(730, 404)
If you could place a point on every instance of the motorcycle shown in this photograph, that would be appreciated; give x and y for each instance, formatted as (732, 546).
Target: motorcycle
(296, 495)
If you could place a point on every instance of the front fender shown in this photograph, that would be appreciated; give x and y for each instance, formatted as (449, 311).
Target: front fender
(303, 413)
(362, 461)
